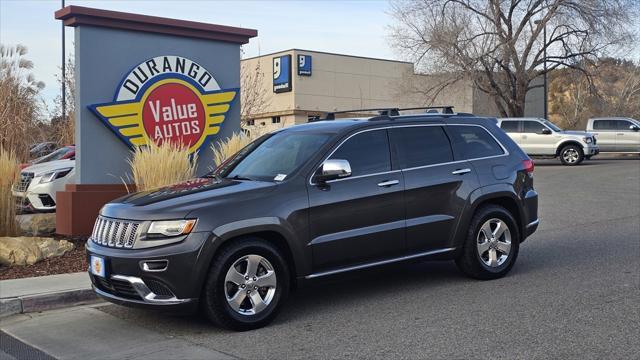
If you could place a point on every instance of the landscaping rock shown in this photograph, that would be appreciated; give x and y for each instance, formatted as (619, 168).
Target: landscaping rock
(37, 224)
(29, 250)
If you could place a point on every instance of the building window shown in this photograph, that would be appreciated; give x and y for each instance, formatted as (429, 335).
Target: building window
(251, 122)
(275, 120)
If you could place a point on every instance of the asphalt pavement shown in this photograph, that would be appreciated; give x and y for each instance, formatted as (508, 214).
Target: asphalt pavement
(573, 293)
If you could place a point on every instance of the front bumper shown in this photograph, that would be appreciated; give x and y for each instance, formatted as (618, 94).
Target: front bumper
(590, 150)
(128, 281)
(40, 197)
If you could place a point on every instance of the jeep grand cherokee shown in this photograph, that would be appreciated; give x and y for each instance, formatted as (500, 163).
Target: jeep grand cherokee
(314, 200)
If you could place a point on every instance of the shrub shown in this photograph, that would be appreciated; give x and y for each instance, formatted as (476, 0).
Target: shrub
(154, 166)
(8, 177)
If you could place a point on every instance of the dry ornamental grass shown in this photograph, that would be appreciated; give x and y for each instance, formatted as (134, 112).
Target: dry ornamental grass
(224, 149)
(8, 176)
(155, 166)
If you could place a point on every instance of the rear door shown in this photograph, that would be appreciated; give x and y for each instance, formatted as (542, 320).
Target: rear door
(436, 187)
(605, 132)
(513, 128)
(627, 140)
(360, 218)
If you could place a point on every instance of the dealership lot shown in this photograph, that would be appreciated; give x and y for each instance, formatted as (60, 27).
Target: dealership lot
(574, 292)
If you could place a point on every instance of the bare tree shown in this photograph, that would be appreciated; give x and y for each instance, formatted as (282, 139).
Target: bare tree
(64, 126)
(254, 98)
(499, 44)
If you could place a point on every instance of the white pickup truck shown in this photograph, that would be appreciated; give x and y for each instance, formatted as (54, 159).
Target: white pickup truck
(616, 134)
(542, 138)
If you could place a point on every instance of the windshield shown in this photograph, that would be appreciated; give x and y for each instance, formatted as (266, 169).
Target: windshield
(553, 126)
(56, 155)
(275, 157)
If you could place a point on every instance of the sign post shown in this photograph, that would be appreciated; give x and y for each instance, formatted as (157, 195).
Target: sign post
(140, 79)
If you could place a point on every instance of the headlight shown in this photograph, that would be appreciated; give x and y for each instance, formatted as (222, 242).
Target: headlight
(53, 175)
(170, 228)
(588, 140)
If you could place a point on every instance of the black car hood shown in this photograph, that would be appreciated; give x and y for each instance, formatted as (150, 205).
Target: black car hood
(176, 201)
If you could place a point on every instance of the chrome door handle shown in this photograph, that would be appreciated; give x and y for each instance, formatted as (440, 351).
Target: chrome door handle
(461, 171)
(388, 183)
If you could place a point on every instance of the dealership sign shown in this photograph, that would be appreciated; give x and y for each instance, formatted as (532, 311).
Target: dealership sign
(167, 98)
(304, 65)
(282, 74)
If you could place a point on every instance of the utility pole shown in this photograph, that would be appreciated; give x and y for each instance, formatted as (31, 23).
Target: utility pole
(64, 80)
(546, 89)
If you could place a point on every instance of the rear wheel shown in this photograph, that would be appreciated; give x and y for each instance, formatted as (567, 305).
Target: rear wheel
(492, 244)
(247, 283)
(571, 155)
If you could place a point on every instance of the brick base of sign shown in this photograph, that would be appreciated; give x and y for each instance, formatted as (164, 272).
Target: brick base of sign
(78, 206)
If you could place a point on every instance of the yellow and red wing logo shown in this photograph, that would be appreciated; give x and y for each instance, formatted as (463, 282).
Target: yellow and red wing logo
(167, 107)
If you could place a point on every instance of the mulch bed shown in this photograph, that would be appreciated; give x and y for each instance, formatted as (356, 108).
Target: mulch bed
(73, 261)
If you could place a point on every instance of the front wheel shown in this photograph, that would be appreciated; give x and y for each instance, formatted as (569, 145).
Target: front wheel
(492, 244)
(571, 155)
(247, 283)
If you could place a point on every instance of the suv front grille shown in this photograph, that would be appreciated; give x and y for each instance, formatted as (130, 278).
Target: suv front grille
(25, 181)
(114, 232)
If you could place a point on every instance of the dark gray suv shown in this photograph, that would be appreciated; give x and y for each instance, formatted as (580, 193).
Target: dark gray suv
(315, 200)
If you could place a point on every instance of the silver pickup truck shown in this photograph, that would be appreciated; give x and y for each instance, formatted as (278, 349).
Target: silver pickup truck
(540, 137)
(616, 134)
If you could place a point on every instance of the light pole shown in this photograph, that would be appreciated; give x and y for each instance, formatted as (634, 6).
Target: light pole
(546, 100)
(64, 80)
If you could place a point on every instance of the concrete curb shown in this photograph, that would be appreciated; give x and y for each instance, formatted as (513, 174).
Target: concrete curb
(46, 301)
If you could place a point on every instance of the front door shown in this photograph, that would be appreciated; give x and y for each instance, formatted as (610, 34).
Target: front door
(360, 218)
(627, 140)
(535, 141)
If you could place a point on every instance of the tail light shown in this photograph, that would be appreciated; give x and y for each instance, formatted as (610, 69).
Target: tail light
(528, 165)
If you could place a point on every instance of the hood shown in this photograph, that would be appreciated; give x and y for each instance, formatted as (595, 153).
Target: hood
(38, 169)
(576, 132)
(176, 201)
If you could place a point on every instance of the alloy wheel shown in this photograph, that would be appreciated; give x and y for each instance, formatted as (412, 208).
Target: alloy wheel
(570, 155)
(250, 284)
(494, 242)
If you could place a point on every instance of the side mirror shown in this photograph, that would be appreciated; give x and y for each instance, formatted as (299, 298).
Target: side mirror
(545, 131)
(333, 169)
(634, 127)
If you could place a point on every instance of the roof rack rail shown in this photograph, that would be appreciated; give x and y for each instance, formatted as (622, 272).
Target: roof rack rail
(389, 111)
(446, 109)
(385, 113)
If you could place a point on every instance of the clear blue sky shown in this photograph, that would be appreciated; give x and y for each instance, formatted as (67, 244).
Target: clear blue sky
(350, 27)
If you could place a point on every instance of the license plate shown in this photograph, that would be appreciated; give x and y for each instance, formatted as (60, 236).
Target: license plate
(97, 266)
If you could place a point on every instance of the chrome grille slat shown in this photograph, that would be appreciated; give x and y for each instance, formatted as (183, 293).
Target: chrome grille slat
(115, 232)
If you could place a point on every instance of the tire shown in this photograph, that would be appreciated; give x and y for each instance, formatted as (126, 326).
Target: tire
(474, 260)
(222, 284)
(587, 157)
(571, 155)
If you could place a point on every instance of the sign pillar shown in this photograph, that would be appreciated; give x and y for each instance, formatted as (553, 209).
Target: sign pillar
(140, 79)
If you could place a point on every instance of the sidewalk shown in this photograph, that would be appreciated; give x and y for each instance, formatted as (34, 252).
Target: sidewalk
(44, 293)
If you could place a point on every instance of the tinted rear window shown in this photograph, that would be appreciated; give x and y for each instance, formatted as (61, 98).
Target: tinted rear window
(510, 126)
(367, 153)
(472, 142)
(420, 146)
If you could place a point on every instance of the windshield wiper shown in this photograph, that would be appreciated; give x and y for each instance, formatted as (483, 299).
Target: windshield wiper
(238, 177)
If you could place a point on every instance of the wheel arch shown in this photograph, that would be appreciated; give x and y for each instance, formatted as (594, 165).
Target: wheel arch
(566, 143)
(500, 194)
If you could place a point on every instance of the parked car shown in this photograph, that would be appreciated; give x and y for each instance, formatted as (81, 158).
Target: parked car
(542, 138)
(41, 149)
(36, 190)
(65, 152)
(616, 134)
(314, 200)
